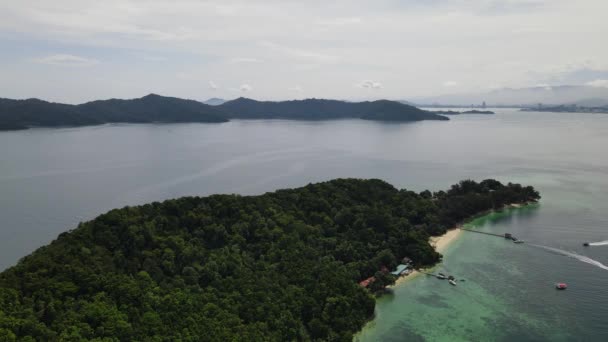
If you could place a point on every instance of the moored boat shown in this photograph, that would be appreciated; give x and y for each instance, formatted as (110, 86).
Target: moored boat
(518, 241)
(561, 286)
(452, 281)
(441, 276)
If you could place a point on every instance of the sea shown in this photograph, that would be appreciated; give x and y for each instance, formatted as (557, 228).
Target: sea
(52, 179)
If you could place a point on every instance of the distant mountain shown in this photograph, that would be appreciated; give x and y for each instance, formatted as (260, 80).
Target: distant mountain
(317, 109)
(592, 102)
(21, 114)
(452, 112)
(214, 101)
(556, 95)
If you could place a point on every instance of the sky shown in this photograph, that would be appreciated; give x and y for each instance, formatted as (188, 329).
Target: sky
(75, 51)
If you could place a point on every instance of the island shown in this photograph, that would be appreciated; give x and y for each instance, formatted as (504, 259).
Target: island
(23, 114)
(568, 109)
(320, 109)
(453, 112)
(281, 266)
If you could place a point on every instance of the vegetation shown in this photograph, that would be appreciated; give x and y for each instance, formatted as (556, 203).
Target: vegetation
(21, 114)
(276, 267)
(317, 109)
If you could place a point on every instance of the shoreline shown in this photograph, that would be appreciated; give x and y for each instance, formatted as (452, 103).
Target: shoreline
(440, 243)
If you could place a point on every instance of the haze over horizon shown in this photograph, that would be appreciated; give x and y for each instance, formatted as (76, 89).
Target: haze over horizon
(77, 51)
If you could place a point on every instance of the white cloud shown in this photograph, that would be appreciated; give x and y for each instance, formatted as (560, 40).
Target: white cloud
(369, 84)
(66, 60)
(450, 84)
(245, 88)
(244, 60)
(598, 83)
(544, 86)
(212, 85)
(297, 89)
(411, 45)
(340, 22)
(315, 56)
(149, 58)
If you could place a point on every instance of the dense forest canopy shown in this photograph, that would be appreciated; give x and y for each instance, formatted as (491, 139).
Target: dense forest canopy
(21, 114)
(275, 267)
(319, 109)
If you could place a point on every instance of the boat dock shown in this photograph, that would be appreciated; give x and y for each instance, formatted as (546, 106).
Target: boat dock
(507, 236)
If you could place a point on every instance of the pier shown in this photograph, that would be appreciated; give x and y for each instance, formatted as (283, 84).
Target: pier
(507, 236)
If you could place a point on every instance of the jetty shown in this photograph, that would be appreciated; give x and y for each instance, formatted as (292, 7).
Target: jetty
(507, 236)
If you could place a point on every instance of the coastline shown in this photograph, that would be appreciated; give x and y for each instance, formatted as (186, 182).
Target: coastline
(440, 243)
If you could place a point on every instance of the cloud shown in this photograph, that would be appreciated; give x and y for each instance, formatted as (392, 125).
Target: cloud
(66, 60)
(544, 86)
(244, 60)
(369, 84)
(149, 58)
(245, 88)
(315, 56)
(340, 21)
(598, 83)
(212, 85)
(297, 89)
(450, 84)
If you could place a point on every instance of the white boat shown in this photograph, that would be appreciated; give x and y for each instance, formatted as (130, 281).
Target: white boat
(441, 276)
(452, 281)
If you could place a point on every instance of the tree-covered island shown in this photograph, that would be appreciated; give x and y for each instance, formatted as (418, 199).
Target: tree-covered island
(281, 266)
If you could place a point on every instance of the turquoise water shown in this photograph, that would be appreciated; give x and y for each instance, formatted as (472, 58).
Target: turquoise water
(50, 179)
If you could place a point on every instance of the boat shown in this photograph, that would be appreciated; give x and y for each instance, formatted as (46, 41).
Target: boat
(441, 276)
(586, 244)
(452, 282)
(518, 241)
(561, 286)
(451, 278)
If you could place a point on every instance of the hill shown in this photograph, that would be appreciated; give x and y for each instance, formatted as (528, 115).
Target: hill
(282, 266)
(318, 109)
(151, 108)
(214, 101)
(547, 95)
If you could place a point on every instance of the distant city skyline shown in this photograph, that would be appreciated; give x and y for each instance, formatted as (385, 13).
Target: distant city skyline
(76, 51)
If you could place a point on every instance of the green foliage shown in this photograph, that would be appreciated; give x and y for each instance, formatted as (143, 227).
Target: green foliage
(280, 266)
(21, 114)
(318, 109)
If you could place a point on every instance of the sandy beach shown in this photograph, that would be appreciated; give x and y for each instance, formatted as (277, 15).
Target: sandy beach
(440, 243)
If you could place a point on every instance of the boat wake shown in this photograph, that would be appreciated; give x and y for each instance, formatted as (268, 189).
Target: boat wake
(601, 243)
(574, 256)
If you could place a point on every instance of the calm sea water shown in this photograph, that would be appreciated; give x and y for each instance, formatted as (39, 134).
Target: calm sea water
(51, 179)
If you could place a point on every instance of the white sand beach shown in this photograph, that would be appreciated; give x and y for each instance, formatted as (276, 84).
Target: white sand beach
(440, 243)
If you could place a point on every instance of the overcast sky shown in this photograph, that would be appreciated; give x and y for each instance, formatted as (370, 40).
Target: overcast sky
(78, 50)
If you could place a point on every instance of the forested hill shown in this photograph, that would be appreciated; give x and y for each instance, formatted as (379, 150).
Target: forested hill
(21, 114)
(318, 109)
(282, 266)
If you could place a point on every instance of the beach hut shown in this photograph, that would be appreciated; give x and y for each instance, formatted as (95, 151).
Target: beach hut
(399, 270)
(366, 282)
